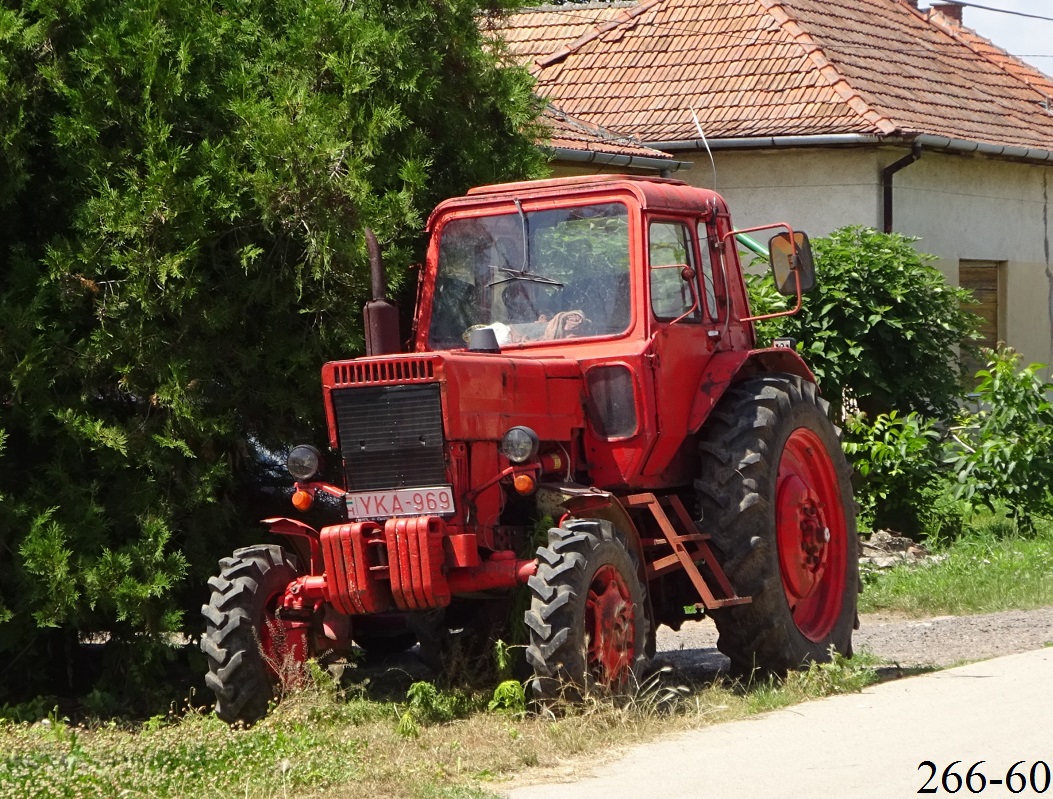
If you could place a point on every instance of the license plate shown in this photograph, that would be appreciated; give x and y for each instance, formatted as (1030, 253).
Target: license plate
(430, 501)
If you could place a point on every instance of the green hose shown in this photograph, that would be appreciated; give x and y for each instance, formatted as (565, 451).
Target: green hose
(752, 245)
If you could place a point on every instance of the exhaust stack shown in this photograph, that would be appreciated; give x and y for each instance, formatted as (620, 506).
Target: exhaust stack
(380, 316)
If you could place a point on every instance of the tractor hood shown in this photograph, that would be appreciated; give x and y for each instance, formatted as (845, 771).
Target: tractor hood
(482, 394)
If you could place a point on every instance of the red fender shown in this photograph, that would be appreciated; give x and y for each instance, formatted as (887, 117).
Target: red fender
(297, 531)
(730, 367)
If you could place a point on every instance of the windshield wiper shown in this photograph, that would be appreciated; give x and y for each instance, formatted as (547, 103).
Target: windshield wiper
(522, 274)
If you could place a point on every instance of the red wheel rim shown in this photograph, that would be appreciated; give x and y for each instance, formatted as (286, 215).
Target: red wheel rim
(811, 530)
(610, 623)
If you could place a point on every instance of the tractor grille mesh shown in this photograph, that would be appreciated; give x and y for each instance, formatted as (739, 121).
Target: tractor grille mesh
(390, 436)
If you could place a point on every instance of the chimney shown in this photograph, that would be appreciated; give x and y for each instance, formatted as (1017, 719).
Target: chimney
(952, 11)
(912, 3)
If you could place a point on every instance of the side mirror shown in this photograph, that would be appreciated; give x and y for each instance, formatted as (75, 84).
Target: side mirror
(785, 262)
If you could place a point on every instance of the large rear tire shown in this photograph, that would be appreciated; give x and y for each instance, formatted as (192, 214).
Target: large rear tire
(774, 493)
(588, 623)
(248, 652)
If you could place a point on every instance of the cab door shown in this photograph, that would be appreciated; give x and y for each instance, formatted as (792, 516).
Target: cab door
(687, 318)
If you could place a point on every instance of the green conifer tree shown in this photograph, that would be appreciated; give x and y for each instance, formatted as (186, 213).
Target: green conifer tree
(183, 191)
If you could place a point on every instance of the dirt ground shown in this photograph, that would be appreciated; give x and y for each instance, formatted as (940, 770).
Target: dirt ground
(908, 642)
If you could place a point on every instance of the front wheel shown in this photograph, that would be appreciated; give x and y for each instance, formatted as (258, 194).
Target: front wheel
(774, 493)
(588, 619)
(250, 651)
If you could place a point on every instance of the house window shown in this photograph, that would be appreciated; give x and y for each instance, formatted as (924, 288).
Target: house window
(984, 280)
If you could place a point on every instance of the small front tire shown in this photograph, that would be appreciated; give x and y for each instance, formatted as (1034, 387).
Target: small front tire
(588, 620)
(249, 650)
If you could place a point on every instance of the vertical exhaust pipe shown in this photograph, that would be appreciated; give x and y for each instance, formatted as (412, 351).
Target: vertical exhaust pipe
(380, 316)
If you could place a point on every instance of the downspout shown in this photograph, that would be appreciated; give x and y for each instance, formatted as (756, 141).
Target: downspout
(886, 182)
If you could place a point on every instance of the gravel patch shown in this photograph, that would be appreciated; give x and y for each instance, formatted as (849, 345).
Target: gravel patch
(908, 642)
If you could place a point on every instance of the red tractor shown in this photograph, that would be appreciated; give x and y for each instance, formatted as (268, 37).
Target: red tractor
(583, 362)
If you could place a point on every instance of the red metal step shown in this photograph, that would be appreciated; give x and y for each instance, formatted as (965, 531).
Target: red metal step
(688, 549)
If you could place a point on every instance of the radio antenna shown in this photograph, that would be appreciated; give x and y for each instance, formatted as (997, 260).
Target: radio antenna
(702, 135)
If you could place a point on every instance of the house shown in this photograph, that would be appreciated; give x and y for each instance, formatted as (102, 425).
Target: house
(829, 113)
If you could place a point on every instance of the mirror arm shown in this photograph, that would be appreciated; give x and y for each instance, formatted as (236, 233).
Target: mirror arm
(791, 312)
(689, 311)
(739, 234)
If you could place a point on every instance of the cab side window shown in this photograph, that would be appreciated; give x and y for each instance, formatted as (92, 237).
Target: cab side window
(709, 277)
(670, 253)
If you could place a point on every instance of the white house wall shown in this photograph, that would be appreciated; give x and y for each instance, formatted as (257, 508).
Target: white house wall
(972, 208)
(812, 190)
(960, 206)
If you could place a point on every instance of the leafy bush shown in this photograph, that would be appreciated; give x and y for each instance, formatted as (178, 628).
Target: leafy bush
(881, 327)
(509, 697)
(432, 705)
(897, 460)
(1004, 451)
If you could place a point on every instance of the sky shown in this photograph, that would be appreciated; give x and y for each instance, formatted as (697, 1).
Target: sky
(1021, 36)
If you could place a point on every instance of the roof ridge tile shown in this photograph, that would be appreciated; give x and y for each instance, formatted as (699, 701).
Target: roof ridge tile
(958, 32)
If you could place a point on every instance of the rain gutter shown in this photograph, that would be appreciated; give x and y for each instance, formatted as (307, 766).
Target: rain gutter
(666, 166)
(760, 142)
(1002, 150)
(928, 141)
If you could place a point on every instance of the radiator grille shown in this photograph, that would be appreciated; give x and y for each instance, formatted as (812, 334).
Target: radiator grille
(401, 370)
(390, 436)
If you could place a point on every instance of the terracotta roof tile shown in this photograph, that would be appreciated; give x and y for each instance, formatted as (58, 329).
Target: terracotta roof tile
(779, 67)
(573, 134)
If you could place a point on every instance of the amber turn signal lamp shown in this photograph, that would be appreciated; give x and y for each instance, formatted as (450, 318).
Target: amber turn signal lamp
(302, 500)
(524, 484)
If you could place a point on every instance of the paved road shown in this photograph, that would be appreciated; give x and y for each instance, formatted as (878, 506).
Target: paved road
(862, 746)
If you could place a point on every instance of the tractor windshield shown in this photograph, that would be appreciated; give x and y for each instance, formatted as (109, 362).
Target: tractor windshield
(533, 276)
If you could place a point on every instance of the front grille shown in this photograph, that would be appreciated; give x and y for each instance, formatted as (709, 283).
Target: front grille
(400, 370)
(390, 436)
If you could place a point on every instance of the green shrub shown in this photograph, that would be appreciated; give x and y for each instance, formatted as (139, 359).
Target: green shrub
(881, 327)
(509, 697)
(183, 191)
(436, 706)
(897, 462)
(1004, 451)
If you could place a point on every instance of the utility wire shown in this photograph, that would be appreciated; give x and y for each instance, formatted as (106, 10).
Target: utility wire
(999, 10)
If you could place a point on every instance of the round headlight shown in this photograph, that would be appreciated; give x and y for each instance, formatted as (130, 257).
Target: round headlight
(304, 462)
(520, 444)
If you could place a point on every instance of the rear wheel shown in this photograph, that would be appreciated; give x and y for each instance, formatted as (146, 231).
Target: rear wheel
(250, 651)
(774, 493)
(587, 621)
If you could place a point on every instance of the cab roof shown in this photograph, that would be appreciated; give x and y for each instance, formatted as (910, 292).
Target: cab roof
(651, 193)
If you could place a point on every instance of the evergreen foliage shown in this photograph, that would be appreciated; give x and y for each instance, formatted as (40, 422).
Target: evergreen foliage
(183, 190)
